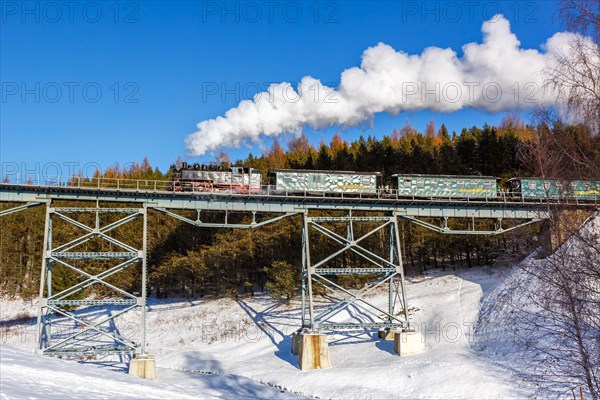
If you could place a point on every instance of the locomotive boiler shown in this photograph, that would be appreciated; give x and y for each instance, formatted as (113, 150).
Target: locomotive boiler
(215, 178)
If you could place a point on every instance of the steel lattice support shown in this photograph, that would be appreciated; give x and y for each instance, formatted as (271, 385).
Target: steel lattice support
(21, 207)
(387, 271)
(499, 229)
(62, 331)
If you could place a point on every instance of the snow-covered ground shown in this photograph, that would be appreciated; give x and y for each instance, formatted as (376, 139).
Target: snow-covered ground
(24, 375)
(241, 348)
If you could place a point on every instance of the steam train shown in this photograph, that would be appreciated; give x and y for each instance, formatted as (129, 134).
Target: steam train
(212, 177)
(239, 179)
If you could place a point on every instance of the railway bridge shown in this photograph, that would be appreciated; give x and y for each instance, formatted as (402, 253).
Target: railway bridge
(345, 218)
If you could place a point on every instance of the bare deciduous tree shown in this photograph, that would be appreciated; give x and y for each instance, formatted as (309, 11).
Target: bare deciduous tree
(548, 314)
(559, 328)
(582, 16)
(574, 76)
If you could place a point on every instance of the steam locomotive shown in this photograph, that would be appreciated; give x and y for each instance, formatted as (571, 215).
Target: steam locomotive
(239, 179)
(213, 177)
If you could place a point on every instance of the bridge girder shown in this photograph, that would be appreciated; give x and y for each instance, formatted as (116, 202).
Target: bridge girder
(59, 330)
(426, 208)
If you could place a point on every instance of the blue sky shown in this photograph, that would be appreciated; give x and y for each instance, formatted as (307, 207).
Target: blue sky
(105, 82)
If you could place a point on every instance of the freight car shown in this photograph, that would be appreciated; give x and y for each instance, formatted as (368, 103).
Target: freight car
(214, 178)
(536, 188)
(445, 185)
(309, 181)
(239, 179)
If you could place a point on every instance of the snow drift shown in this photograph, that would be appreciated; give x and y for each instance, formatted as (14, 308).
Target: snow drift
(542, 322)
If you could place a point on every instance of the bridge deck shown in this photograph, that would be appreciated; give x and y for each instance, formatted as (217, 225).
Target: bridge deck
(154, 194)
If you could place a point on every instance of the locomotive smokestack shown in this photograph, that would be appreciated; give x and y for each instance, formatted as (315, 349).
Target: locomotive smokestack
(495, 75)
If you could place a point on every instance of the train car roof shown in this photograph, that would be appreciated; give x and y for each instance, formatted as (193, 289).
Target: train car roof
(323, 171)
(191, 168)
(537, 178)
(242, 166)
(445, 176)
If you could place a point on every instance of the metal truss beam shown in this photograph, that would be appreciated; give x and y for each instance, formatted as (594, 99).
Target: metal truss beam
(92, 302)
(89, 351)
(91, 326)
(329, 326)
(388, 272)
(97, 232)
(21, 207)
(356, 298)
(355, 271)
(348, 219)
(445, 230)
(225, 224)
(89, 335)
(99, 210)
(92, 279)
(104, 255)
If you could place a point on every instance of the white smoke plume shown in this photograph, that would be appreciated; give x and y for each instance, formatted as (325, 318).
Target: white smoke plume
(496, 75)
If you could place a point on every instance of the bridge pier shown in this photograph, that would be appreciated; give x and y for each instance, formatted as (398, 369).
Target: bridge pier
(82, 260)
(296, 339)
(143, 366)
(382, 270)
(386, 334)
(408, 342)
(313, 351)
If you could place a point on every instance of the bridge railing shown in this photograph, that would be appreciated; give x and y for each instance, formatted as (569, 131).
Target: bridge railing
(83, 182)
(167, 187)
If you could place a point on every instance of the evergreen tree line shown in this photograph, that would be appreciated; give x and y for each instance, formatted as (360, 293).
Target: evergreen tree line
(184, 260)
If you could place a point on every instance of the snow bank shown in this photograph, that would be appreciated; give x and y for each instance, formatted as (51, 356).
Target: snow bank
(520, 326)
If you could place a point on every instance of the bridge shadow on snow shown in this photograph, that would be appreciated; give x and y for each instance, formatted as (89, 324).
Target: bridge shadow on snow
(277, 323)
(264, 320)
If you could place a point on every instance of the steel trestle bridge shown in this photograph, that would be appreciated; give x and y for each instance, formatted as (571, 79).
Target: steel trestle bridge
(347, 219)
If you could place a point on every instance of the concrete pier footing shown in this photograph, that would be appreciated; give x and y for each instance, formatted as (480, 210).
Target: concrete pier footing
(386, 334)
(408, 342)
(296, 339)
(313, 351)
(143, 366)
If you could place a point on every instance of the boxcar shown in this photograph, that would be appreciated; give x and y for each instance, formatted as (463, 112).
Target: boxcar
(445, 185)
(536, 188)
(298, 180)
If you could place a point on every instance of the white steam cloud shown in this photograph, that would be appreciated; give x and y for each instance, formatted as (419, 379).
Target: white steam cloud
(496, 75)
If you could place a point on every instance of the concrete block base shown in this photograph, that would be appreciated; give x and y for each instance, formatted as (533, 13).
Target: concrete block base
(143, 366)
(313, 352)
(296, 339)
(386, 334)
(406, 343)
